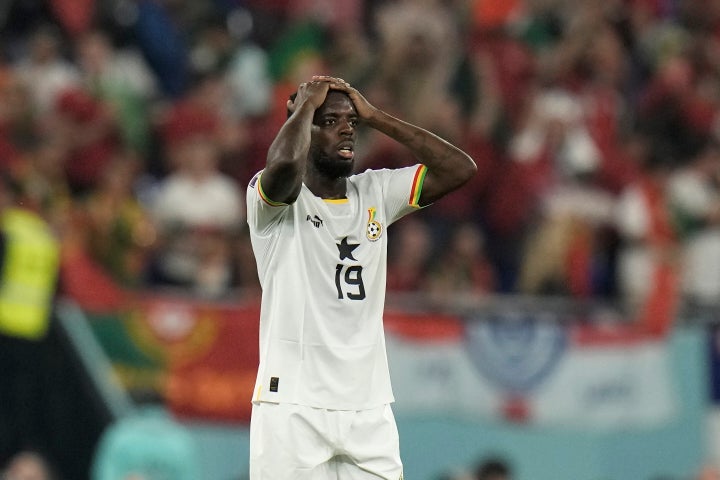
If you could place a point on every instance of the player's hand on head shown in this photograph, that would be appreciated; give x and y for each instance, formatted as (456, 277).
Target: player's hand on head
(313, 92)
(363, 107)
(336, 83)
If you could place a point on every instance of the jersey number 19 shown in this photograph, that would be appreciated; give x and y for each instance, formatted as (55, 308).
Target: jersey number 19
(349, 277)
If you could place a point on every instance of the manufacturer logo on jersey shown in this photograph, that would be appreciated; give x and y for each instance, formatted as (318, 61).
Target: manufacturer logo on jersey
(374, 229)
(315, 220)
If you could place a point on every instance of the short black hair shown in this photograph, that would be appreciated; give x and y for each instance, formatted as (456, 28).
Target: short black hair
(492, 467)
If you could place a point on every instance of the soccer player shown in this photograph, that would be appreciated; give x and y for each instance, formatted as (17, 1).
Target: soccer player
(321, 404)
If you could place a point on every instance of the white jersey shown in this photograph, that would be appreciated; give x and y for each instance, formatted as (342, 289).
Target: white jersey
(322, 267)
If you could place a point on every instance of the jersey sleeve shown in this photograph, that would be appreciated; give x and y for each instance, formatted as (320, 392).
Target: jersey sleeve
(401, 190)
(262, 212)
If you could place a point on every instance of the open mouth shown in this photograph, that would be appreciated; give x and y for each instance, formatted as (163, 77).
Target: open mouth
(346, 151)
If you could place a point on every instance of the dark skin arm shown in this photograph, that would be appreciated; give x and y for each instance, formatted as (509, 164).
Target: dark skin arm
(448, 167)
(287, 156)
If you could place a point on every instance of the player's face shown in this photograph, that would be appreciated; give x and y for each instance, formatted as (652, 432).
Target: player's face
(332, 147)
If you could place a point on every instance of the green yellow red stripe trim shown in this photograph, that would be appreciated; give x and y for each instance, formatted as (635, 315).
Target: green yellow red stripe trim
(417, 184)
(265, 197)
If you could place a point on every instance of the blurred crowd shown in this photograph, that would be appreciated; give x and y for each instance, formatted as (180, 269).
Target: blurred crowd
(490, 468)
(133, 127)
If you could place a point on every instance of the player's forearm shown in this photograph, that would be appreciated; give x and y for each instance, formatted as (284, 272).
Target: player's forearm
(287, 155)
(448, 166)
(428, 148)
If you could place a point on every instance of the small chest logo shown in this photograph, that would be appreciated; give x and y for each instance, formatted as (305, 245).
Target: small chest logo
(315, 220)
(374, 229)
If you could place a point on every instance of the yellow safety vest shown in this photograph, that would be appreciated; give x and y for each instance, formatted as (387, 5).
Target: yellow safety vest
(28, 274)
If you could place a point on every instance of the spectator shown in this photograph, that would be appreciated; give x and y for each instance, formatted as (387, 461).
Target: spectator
(122, 80)
(45, 71)
(419, 53)
(42, 179)
(197, 209)
(461, 269)
(455, 476)
(90, 134)
(163, 43)
(349, 53)
(146, 445)
(648, 263)
(28, 465)
(709, 472)
(672, 109)
(17, 120)
(237, 69)
(409, 256)
(554, 143)
(30, 259)
(226, 46)
(695, 201)
(120, 232)
(564, 253)
(493, 469)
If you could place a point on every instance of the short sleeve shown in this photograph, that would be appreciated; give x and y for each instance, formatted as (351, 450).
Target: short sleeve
(261, 211)
(401, 190)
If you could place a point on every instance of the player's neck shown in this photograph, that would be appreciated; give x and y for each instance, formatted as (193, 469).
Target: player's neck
(327, 188)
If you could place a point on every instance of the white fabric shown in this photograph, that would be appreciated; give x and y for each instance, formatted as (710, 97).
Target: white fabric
(47, 81)
(695, 197)
(636, 260)
(214, 202)
(321, 331)
(294, 442)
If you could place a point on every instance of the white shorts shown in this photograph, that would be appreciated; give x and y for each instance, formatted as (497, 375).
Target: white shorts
(295, 442)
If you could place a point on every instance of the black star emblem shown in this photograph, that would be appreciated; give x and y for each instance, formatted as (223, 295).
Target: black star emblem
(345, 249)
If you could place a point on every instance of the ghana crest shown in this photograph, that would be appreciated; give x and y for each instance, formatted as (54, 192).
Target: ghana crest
(373, 229)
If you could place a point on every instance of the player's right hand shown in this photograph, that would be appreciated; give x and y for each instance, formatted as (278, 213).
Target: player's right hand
(313, 92)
